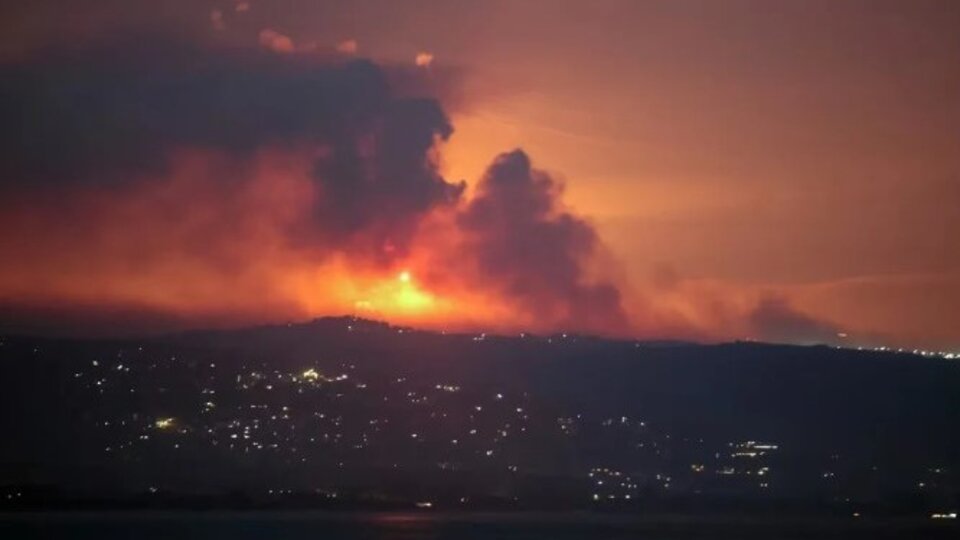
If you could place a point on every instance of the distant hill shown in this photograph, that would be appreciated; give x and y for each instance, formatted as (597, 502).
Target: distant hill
(359, 407)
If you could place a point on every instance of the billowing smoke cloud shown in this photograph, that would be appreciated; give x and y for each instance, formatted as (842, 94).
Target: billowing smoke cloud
(114, 112)
(182, 163)
(190, 185)
(774, 319)
(534, 252)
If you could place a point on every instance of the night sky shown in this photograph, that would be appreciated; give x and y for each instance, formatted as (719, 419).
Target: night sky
(784, 171)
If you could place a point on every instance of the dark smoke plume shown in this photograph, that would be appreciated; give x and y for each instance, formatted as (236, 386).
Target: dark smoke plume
(534, 251)
(114, 112)
(107, 116)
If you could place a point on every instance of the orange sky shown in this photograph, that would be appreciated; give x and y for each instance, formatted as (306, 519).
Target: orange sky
(724, 151)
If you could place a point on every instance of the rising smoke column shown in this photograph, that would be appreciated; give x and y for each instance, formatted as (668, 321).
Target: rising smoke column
(533, 252)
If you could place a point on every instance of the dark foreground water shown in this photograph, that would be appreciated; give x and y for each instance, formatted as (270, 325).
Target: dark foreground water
(421, 526)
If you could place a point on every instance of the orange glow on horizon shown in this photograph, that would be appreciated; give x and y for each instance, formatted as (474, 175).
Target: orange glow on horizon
(247, 271)
(201, 252)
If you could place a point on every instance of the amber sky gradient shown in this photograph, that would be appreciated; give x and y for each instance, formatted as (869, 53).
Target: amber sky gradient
(784, 170)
